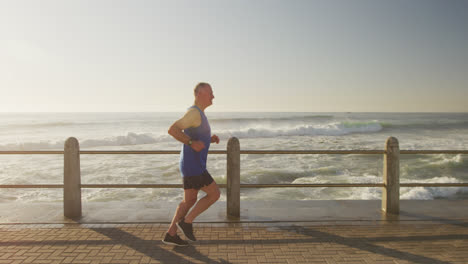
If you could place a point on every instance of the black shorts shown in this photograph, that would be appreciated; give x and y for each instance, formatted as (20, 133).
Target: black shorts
(198, 182)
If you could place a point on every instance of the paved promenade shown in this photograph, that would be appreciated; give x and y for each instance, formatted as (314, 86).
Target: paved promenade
(284, 242)
(267, 232)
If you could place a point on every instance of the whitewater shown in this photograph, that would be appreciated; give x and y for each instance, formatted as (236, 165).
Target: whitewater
(256, 131)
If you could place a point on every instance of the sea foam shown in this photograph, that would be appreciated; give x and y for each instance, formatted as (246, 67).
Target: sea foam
(133, 138)
(127, 140)
(330, 129)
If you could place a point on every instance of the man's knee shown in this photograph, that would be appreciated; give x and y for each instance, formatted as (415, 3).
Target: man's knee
(214, 196)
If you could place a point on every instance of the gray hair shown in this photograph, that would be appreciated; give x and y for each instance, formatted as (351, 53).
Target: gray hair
(199, 86)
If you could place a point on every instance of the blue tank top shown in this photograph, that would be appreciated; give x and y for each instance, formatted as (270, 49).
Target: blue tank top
(193, 163)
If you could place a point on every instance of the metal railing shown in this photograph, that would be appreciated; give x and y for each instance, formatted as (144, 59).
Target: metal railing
(390, 186)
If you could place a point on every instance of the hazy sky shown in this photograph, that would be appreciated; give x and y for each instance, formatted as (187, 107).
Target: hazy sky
(318, 56)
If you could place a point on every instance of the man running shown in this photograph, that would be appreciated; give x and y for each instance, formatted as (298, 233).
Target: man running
(194, 131)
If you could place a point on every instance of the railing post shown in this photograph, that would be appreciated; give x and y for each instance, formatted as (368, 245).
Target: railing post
(391, 177)
(72, 179)
(233, 177)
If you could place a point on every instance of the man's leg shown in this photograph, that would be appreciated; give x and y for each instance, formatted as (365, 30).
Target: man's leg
(190, 198)
(212, 195)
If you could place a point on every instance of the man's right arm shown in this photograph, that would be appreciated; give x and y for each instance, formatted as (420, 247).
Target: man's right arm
(190, 119)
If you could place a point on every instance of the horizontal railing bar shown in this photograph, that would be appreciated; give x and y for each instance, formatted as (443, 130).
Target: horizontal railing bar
(312, 152)
(224, 185)
(276, 152)
(312, 185)
(131, 185)
(97, 152)
(143, 152)
(138, 152)
(180, 185)
(351, 151)
(433, 151)
(26, 186)
(41, 152)
(433, 184)
(138, 185)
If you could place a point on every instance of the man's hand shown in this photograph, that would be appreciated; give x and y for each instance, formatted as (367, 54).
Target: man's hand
(197, 145)
(214, 139)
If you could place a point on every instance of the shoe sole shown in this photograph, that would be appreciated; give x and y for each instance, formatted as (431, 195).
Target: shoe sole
(182, 230)
(173, 244)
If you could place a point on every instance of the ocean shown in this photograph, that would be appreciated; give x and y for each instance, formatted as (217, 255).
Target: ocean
(256, 131)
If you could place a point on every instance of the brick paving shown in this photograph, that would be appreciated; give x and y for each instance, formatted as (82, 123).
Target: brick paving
(283, 242)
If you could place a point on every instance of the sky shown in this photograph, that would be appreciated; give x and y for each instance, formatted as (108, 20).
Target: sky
(268, 56)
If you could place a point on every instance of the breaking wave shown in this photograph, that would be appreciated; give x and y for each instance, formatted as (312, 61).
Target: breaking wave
(331, 129)
(127, 140)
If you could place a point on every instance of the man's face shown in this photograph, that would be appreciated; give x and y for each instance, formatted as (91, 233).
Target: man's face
(205, 95)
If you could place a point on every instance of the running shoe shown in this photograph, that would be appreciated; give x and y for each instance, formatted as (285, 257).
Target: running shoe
(187, 229)
(174, 240)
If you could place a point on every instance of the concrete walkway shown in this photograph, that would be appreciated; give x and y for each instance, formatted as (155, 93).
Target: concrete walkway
(312, 232)
(317, 242)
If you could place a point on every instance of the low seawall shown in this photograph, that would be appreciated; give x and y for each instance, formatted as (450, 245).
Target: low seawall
(326, 212)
